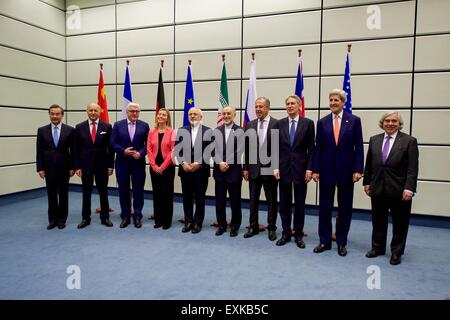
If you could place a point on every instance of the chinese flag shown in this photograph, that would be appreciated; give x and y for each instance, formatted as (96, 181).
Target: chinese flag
(101, 99)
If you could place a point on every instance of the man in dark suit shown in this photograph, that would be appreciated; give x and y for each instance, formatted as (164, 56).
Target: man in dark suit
(128, 141)
(194, 169)
(258, 168)
(338, 162)
(390, 180)
(94, 158)
(227, 173)
(54, 163)
(296, 148)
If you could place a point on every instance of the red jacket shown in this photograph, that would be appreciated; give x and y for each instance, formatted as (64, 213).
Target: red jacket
(167, 145)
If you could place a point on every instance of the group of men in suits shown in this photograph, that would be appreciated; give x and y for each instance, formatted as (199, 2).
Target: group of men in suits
(269, 154)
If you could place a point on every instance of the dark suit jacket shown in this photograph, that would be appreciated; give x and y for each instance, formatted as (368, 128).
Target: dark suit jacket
(254, 169)
(120, 140)
(55, 161)
(336, 164)
(295, 160)
(400, 170)
(194, 153)
(229, 152)
(93, 157)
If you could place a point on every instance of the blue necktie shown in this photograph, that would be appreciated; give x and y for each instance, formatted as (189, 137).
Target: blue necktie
(55, 135)
(292, 132)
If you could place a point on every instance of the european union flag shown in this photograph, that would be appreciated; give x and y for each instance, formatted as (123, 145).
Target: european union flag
(346, 86)
(188, 97)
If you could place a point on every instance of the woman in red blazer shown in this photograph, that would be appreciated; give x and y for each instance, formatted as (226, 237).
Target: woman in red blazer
(160, 144)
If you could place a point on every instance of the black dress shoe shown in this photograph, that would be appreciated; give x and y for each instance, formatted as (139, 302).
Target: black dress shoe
(395, 259)
(137, 224)
(51, 226)
(187, 228)
(373, 253)
(196, 229)
(233, 233)
(251, 232)
(124, 223)
(84, 223)
(321, 248)
(166, 227)
(283, 241)
(61, 226)
(300, 243)
(107, 223)
(272, 235)
(342, 251)
(157, 225)
(220, 231)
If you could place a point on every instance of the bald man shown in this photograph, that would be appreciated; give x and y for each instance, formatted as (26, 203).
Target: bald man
(94, 159)
(227, 173)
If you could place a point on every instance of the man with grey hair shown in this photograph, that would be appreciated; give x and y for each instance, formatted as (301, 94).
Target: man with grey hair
(194, 171)
(254, 170)
(390, 180)
(338, 163)
(94, 159)
(296, 148)
(129, 142)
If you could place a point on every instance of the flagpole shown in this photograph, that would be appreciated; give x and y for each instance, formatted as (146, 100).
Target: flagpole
(346, 85)
(300, 94)
(162, 63)
(219, 112)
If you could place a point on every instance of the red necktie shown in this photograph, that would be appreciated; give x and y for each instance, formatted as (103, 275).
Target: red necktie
(94, 132)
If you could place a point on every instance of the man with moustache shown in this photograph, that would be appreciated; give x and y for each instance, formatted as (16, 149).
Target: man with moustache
(390, 180)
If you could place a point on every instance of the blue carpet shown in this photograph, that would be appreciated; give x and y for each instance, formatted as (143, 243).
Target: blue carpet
(150, 263)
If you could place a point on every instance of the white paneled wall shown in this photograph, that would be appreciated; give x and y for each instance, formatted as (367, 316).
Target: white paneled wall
(32, 77)
(403, 65)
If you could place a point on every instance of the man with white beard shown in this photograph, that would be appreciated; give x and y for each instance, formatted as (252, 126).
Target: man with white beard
(193, 170)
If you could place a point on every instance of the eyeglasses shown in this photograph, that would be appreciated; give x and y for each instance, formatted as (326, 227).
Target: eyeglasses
(133, 111)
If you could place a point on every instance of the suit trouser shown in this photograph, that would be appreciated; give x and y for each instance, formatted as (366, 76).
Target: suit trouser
(101, 182)
(234, 190)
(270, 190)
(137, 173)
(400, 211)
(286, 207)
(58, 198)
(345, 205)
(193, 186)
(163, 186)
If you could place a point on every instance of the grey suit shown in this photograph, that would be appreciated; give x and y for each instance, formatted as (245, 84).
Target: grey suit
(387, 182)
(257, 178)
